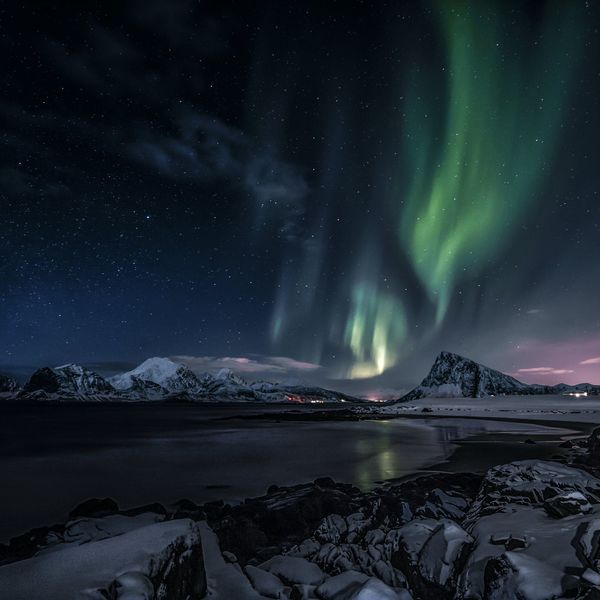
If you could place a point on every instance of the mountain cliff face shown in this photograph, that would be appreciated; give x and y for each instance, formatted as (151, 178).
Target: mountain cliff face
(68, 382)
(454, 376)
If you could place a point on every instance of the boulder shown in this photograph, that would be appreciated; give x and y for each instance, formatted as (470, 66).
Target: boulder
(162, 561)
(294, 570)
(569, 503)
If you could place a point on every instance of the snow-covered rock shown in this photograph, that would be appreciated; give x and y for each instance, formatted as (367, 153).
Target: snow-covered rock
(529, 482)
(69, 382)
(161, 561)
(293, 569)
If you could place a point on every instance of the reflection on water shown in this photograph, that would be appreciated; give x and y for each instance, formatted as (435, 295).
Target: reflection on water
(54, 457)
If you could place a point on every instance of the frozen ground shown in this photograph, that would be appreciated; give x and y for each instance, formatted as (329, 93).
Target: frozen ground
(539, 408)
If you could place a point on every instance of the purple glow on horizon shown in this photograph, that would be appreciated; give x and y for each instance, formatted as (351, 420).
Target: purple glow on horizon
(573, 361)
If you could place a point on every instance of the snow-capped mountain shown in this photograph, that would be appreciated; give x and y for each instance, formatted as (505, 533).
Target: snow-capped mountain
(8, 384)
(170, 376)
(68, 382)
(454, 376)
(163, 379)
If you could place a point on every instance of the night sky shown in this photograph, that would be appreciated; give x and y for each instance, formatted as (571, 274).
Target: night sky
(325, 191)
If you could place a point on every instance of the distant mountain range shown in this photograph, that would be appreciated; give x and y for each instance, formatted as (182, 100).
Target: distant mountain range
(454, 376)
(161, 379)
(158, 379)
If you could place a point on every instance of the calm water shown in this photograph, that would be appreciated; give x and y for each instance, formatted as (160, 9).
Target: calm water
(53, 457)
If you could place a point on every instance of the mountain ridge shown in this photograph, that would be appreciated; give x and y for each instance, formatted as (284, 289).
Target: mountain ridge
(455, 376)
(161, 379)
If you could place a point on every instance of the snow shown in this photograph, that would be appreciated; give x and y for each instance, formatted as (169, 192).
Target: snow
(82, 571)
(344, 583)
(293, 569)
(225, 581)
(441, 551)
(265, 583)
(540, 407)
(85, 530)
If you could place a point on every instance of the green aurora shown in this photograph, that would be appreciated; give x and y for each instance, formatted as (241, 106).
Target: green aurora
(506, 93)
(475, 169)
(482, 113)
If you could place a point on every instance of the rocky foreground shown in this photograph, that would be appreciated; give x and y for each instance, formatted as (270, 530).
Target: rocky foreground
(528, 530)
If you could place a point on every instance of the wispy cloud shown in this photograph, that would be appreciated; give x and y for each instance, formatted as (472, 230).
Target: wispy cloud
(255, 364)
(591, 361)
(546, 371)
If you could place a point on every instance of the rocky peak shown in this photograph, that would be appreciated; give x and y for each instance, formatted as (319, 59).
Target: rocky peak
(453, 375)
(68, 380)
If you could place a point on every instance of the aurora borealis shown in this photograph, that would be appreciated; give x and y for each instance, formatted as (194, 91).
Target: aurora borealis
(349, 188)
(476, 171)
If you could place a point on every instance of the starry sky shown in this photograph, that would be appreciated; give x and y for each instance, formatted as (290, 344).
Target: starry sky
(329, 192)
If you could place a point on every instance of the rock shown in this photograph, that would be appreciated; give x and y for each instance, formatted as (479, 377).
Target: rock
(528, 482)
(95, 507)
(133, 586)
(325, 482)
(341, 585)
(589, 593)
(70, 381)
(162, 561)
(515, 575)
(593, 453)
(509, 541)
(587, 542)
(570, 503)
(332, 528)
(230, 557)
(292, 570)
(373, 589)
(8, 384)
(265, 583)
(431, 554)
(591, 577)
(441, 557)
